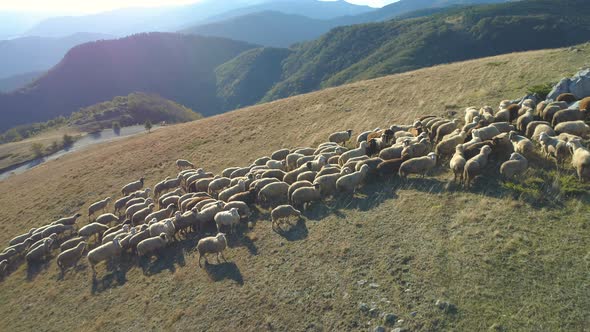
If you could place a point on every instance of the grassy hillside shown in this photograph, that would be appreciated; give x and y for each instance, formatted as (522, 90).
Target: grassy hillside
(177, 67)
(503, 263)
(353, 53)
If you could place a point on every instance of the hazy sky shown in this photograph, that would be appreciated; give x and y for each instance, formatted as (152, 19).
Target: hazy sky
(89, 6)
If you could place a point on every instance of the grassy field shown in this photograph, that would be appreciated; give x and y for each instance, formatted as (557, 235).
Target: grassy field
(396, 247)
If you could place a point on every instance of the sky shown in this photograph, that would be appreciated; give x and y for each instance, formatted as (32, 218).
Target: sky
(92, 6)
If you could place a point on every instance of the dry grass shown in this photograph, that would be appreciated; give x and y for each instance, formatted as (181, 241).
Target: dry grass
(502, 264)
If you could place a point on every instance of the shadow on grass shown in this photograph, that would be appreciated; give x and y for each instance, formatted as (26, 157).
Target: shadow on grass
(222, 271)
(238, 239)
(116, 275)
(167, 258)
(34, 268)
(291, 233)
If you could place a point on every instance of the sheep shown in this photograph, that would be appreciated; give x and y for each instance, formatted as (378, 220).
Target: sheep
(41, 242)
(207, 215)
(182, 163)
(350, 182)
(392, 152)
(485, 133)
(137, 207)
(240, 172)
(470, 114)
(433, 128)
(227, 172)
(171, 200)
(141, 235)
(542, 128)
(360, 151)
(71, 243)
(8, 253)
(3, 267)
(291, 160)
(133, 186)
(317, 164)
(139, 216)
(39, 252)
(115, 234)
(474, 165)
(57, 229)
(445, 129)
(70, 257)
(372, 163)
(166, 226)
(262, 161)
(569, 115)
(21, 238)
(161, 214)
(279, 154)
(282, 212)
(152, 244)
(516, 165)
(580, 159)
(218, 185)
(567, 97)
(103, 252)
(327, 182)
(227, 218)
(551, 109)
(417, 150)
(513, 111)
(107, 218)
(503, 127)
(176, 192)
(568, 137)
(521, 144)
(212, 245)
(554, 147)
(274, 193)
(93, 229)
(419, 165)
(458, 163)
(340, 137)
(100, 205)
(168, 184)
(134, 201)
(190, 204)
(305, 195)
(276, 164)
(530, 128)
(447, 146)
(328, 170)
(291, 176)
(362, 137)
(305, 151)
(523, 120)
(229, 192)
(296, 185)
(67, 220)
(274, 173)
(242, 207)
(578, 128)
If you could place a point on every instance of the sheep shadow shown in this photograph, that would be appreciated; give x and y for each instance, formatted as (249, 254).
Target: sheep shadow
(167, 258)
(222, 271)
(238, 239)
(116, 275)
(35, 268)
(295, 232)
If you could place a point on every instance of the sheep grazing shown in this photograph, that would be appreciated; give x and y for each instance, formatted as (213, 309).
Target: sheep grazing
(70, 257)
(152, 244)
(212, 245)
(475, 165)
(458, 163)
(516, 165)
(93, 229)
(485, 133)
(68, 220)
(283, 212)
(132, 187)
(306, 195)
(340, 137)
(350, 182)
(580, 159)
(229, 218)
(578, 128)
(274, 193)
(183, 164)
(419, 165)
(98, 206)
(107, 218)
(360, 151)
(104, 252)
(138, 217)
(21, 238)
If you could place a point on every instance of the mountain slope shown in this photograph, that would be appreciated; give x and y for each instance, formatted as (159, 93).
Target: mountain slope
(177, 67)
(12, 83)
(502, 263)
(28, 54)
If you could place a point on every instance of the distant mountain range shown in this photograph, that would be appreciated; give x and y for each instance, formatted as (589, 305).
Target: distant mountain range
(30, 54)
(12, 83)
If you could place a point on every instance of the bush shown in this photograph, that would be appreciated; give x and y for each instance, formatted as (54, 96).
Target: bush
(37, 149)
(116, 127)
(68, 140)
(541, 90)
(148, 125)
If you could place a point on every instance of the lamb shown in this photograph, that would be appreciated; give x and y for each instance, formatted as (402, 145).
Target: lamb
(419, 165)
(212, 245)
(152, 244)
(182, 163)
(133, 186)
(350, 182)
(217, 185)
(229, 192)
(522, 144)
(139, 216)
(475, 165)
(93, 229)
(161, 214)
(68, 220)
(578, 128)
(458, 163)
(485, 133)
(580, 159)
(447, 146)
(104, 252)
(516, 165)
(107, 218)
(306, 195)
(360, 151)
(70, 257)
(569, 115)
(40, 252)
(274, 193)
(340, 137)
(100, 205)
(21, 238)
(71, 243)
(229, 218)
(280, 154)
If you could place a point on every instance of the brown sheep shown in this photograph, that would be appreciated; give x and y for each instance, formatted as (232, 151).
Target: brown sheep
(585, 104)
(567, 97)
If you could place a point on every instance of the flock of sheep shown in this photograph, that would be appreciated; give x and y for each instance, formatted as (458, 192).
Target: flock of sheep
(146, 220)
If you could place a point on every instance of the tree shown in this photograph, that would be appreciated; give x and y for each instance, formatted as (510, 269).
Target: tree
(116, 127)
(68, 140)
(37, 149)
(148, 125)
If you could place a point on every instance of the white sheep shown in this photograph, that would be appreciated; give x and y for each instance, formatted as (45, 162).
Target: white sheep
(475, 165)
(104, 252)
(516, 165)
(40, 252)
(69, 244)
(107, 218)
(100, 205)
(70, 257)
(340, 137)
(553, 147)
(152, 244)
(327, 182)
(350, 182)
(279, 154)
(229, 218)
(470, 114)
(306, 195)
(458, 163)
(419, 165)
(276, 164)
(578, 128)
(137, 207)
(92, 229)
(274, 193)
(580, 159)
(182, 163)
(21, 238)
(133, 186)
(317, 163)
(283, 212)
(3, 267)
(485, 133)
(67, 220)
(521, 144)
(218, 185)
(448, 146)
(139, 216)
(161, 214)
(360, 151)
(212, 245)
(296, 185)
(292, 159)
(229, 192)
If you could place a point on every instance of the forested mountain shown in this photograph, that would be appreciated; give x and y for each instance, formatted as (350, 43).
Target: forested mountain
(177, 67)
